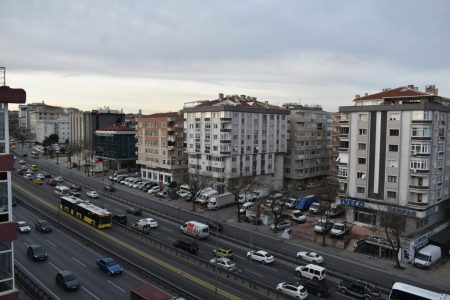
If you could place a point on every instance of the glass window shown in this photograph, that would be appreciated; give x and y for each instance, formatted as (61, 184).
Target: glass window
(6, 265)
(392, 179)
(365, 216)
(360, 175)
(393, 148)
(363, 117)
(3, 197)
(394, 132)
(391, 194)
(361, 160)
(362, 131)
(361, 146)
(360, 189)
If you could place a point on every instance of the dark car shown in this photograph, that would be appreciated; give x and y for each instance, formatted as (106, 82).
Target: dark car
(24, 155)
(358, 289)
(109, 188)
(52, 182)
(109, 266)
(135, 211)
(47, 175)
(75, 187)
(186, 245)
(67, 280)
(36, 252)
(121, 218)
(215, 226)
(316, 287)
(42, 226)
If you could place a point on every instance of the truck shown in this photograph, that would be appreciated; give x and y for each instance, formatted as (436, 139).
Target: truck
(195, 229)
(305, 202)
(340, 229)
(206, 195)
(291, 203)
(427, 256)
(222, 200)
(148, 291)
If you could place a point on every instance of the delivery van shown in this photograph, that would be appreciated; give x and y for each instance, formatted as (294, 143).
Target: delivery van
(195, 229)
(427, 256)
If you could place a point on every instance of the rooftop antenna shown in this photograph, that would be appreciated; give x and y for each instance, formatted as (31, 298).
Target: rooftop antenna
(2, 76)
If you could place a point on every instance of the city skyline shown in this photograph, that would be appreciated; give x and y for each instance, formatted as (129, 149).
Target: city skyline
(135, 55)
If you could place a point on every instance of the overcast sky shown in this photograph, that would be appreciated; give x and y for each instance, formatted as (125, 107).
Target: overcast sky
(157, 55)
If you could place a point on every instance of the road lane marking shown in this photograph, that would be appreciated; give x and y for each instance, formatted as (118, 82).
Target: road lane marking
(253, 272)
(171, 239)
(273, 269)
(168, 229)
(79, 262)
(89, 292)
(116, 286)
(54, 266)
(51, 243)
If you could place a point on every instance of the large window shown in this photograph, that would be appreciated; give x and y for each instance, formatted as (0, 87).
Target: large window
(2, 128)
(420, 148)
(394, 132)
(393, 148)
(6, 273)
(419, 164)
(4, 201)
(362, 131)
(421, 131)
(420, 115)
(366, 216)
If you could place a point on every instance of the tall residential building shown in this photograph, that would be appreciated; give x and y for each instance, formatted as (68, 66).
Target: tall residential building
(8, 289)
(83, 125)
(334, 165)
(308, 153)
(161, 153)
(236, 136)
(395, 157)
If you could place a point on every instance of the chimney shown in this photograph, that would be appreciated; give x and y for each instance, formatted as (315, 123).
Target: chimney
(431, 89)
(412, 87)
(220, 96)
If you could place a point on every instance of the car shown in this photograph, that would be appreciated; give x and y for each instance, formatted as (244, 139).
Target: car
(184, 194)
(109, 188)
(281, 225)
(67, 280)
(59, 179)
(20, 171)
(310, 257)
(298, 216)
(34, 167)
(311, 271)
(135, 211)
(38, 181)
(316, 287)
(253, 220)
(42, 226)
(28, 176)
(261, 256)
(75, 187)
(186, 245)
(92, 194)
(222, 252)
(121, 218)
(23, 227)
(301, 188)
(245, 206)
(153, 223)
(215, 226)
(311, 185)
(295, 290)
(37, 252)
(224, 263)
(358, 289)
(40, 176)
(74, 193)
(47, 175)
(22, 162)
(162, 194)
(154, 189)
(109, 266)
(322, 226)
(52, 182)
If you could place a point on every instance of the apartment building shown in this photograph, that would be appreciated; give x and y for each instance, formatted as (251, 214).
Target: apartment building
(8, 289)
(235, 136)
(395, 157)
(308, 153)
(161, 155)
(334, 166)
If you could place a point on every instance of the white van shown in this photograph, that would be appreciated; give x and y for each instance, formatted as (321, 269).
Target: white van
(314, 208)
(311, 271)
(245, 206)
(427, 256)
(196, 229)
(206, 196)
(62, 190)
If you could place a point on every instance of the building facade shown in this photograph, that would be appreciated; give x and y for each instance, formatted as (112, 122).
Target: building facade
(334, 166)
(395, 157)
(161, 155)
(8, 289)
(236, 136)
(308, 151)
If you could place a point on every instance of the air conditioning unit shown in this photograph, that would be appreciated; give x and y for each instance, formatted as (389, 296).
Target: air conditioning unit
(442, 122)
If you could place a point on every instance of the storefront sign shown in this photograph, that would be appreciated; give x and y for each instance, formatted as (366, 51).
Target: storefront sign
(352, 202)
(402, 211)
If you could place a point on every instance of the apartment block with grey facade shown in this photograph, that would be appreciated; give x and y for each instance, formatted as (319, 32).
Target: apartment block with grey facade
(236, 136)
(395, 157)
(308, 154)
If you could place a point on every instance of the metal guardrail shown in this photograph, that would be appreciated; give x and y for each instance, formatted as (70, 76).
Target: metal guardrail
(33, 289)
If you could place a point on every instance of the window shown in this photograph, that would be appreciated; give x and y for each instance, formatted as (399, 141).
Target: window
(360, 189)
(394, 116)
(362, 131)
(420, 131)
(419, 164)
(392, 179)
(392, 164)
(360, 175)
(420, 115)
(343, 172)
(361, 160)
(391, 194)
(361, 146)
(393, 148)
(394, 132)
(363, 117)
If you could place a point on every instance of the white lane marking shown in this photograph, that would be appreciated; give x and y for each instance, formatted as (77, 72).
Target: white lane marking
(168, 229)
(51, 243)
(273, 269)
(239, 256)
(79, 262)
(89, 292)
(37, 280)
(171, 239)
(54, 266)
(252, 272)
(116, 286)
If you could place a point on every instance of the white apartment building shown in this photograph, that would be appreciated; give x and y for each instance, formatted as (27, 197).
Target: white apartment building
(394, 156)
(236, 136)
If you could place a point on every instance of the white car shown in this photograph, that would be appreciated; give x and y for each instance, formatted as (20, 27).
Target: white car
(298, 216)
(92, 194)
(184, 194)
(154, 189)
(40, 176)
(245, 206)
(261, 256)
(23, 227)
(22, 162)
(310, 257)
(59, 179)
(28, 176)
(153, 223)
(292, 289)
(224, 263)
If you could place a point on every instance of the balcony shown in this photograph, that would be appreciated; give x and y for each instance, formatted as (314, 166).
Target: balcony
(225, 141)
(226, 119)
(419, 171)
(225, 130)
(421, 137)
(419, 187)
(420, 204)
(225, 152)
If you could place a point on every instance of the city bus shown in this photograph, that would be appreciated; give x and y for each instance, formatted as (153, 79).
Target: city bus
(403, 291)
(84, 210)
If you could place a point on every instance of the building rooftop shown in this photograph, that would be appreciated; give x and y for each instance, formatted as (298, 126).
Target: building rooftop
(162, 115)
(403, 91)
(116, 128)
(233, 100)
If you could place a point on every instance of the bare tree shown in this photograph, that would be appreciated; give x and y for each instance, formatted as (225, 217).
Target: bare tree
(197, 183)
(277, 208)
(394, 226)
(237, 186)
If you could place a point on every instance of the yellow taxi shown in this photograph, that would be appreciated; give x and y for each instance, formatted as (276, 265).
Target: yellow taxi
(34, 168)
(38, 181)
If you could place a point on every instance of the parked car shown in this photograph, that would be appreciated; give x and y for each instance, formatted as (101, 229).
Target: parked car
(316, 287)
(154, 190)
(67, 280)
(135, 211)
(261, 256)
(37, 252)
(43, 226)
(253, 220)
(186, 245)
(222, 252)
(281, 225)
(151, 221)
(109, 188)
(184, 194)
(310, 257)
(109, 266)
(292, 289)
(162, 194)
(322, 226)
(23, 227)
(358, 289)
(298, 216)
(224, 263)
(92, 194)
